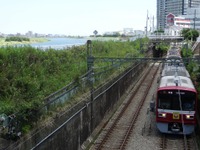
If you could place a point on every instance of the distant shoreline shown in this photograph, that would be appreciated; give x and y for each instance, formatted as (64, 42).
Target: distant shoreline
(39, 40)
(32, 40)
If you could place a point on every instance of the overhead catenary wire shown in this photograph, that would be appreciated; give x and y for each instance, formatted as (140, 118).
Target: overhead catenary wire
(182, 120)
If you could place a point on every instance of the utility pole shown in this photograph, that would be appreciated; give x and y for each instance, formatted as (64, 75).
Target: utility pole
(147, 23)
(90, 65)
(153, 25)
(194, 18)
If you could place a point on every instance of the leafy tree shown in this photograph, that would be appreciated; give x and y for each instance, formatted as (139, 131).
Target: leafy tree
(186, 52)
(160, 31)
(16, 38)
(95, 32)
(190, 34)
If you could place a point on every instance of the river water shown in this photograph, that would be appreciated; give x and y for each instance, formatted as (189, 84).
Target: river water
(60, 43)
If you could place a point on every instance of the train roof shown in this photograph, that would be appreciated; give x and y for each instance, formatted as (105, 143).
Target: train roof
(180, 81)
(177, 69)
(174, 62)
(173, 52)
(173, 57)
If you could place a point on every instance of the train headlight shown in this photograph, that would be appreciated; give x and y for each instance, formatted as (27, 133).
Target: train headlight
(189, 116)
(162, 115)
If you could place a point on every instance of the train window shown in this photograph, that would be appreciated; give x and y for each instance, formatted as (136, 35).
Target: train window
(164, 104)
(171, 100)
(188, 103)
(175, 103)
(164, 101)
(189, 106)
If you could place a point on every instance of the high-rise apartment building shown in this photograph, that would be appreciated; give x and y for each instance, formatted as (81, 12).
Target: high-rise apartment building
(193, 3)
(175, 7)
(160, 14)
(193, 14)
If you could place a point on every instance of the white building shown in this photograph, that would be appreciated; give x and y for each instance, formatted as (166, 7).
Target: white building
(182, 22)
(173, 30)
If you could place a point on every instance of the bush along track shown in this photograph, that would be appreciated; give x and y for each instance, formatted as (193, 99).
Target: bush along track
(28, 75)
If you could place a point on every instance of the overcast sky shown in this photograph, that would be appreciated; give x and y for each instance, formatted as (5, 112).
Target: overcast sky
(74, 17)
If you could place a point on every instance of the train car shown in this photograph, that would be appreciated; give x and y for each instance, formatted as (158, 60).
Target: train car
(173, 52)
(176, 105)
(176, 100)
(173, 57)
(174, 67)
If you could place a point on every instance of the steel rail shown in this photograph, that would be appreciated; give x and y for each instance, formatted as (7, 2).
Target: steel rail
(110, 130)
(135, 116)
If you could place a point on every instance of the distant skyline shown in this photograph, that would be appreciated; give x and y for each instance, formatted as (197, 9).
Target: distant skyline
(77, 17)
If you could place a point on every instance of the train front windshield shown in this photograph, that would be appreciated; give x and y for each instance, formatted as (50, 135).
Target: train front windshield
(174, 100)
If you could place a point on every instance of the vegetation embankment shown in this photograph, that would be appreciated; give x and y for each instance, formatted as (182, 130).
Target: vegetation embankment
(28, 75)
(9, 41)
(193, 67)
(190, 36)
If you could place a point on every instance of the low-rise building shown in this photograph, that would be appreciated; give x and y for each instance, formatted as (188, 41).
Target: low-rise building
(173, 30)
(182, 22)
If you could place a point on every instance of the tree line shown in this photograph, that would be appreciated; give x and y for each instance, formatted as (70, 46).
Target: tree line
(17, 39)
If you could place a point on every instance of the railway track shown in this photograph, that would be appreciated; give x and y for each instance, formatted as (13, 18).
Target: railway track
(178, 142)
(117, 132)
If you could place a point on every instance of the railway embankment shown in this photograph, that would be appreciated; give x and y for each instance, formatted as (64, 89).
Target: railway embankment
(70, 129)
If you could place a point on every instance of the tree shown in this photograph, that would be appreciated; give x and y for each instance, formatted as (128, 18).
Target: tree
(95, 32)
(190, 34)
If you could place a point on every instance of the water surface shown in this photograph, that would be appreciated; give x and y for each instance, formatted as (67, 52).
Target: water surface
(60, 43)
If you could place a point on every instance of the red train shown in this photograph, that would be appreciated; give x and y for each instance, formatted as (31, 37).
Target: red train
(176, 100)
